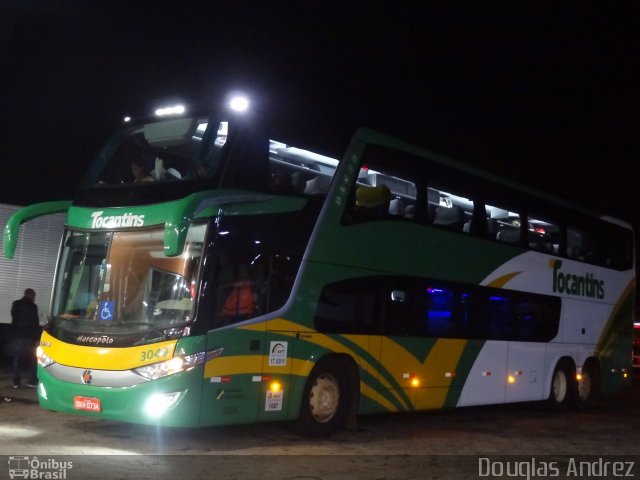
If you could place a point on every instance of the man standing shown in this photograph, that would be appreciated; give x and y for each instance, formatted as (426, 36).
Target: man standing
(25, 333)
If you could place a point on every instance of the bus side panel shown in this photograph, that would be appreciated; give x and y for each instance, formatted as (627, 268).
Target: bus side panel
(525, 371)
(231, 382)
(485, 383)
(615, 346)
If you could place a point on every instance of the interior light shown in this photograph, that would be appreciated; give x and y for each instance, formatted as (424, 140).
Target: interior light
(578, 376)
(511, 379)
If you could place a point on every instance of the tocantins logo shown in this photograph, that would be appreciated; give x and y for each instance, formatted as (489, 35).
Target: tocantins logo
(116, 221)
(571, 284)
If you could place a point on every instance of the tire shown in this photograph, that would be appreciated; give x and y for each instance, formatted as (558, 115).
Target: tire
(589, 385)
(325, 400)
(563, 387)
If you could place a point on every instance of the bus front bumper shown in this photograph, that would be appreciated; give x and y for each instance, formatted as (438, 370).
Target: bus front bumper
(169, 401)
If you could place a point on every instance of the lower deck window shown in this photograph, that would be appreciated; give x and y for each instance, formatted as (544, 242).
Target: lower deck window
(410, 306)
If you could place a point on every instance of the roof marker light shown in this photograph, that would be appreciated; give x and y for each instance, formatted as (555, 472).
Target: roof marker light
(173, 110)
(239, 104)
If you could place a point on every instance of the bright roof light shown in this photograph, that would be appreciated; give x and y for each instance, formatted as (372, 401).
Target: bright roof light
(173, 110)
(239, 104)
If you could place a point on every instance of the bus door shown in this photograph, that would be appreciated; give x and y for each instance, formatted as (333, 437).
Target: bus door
(233, 377)
(232, 380)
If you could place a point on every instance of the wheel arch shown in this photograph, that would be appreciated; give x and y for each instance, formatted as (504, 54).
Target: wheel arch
(353, 375)
(340, 362)
(561, 359)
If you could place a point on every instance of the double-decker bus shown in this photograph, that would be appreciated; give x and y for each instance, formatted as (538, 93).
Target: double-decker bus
(249, 275)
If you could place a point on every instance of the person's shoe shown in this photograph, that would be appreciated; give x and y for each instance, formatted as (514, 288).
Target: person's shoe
(32, 385)
(15, 385)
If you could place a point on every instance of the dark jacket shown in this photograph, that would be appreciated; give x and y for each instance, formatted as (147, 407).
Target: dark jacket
(24, 319)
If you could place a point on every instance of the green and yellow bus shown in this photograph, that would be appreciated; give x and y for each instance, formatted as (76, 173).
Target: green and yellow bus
(251, 275)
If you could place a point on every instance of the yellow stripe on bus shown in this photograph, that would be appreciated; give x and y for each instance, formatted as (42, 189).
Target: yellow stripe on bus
(233, 365)
(502, 281)
(443, 358)
(435, 372)
(105, 357)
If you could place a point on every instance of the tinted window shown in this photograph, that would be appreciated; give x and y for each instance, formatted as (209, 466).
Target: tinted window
(409, 306)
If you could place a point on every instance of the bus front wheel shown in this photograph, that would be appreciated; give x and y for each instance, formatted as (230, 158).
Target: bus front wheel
(325, 400)
(563, 387)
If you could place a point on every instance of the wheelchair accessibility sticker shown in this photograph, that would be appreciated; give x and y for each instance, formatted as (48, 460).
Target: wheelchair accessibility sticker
(106, 310)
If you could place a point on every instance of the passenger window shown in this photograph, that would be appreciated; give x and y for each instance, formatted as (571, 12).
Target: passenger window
(505, 223)
(580, 244)
(451, 211)
(543, 235)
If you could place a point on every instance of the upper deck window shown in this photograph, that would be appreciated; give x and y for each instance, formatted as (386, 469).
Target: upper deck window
(168, 150)
(167, 159)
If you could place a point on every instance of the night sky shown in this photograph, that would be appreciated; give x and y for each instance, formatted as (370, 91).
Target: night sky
(547, 97)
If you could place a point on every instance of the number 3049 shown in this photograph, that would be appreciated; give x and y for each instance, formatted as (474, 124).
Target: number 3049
(152, 354)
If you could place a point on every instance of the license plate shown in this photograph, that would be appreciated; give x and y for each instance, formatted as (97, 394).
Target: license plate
(89, 404)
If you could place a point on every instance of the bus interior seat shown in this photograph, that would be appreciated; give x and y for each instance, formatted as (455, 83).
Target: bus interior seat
(431, 212)
(410, 211)
(396, 207)
(450, 218)
(317, 185)
(509, 235)
(576, 245)
(492, 227)
(372, 203)
(471, 226)
(298, 184)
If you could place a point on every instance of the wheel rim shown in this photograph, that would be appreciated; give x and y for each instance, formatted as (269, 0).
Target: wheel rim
(584, 386)
(324, 398)
(559, 386)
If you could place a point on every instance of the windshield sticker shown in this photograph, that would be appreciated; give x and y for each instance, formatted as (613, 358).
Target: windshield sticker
(116, 221)
(106, 310)
(278, 354)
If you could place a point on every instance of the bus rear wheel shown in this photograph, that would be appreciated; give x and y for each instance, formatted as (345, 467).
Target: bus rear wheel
(563, 388)
(325, 401)
(588, 385)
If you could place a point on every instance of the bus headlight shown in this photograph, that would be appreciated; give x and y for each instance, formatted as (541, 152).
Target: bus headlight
(176, 364)
(162, 369)
(44, 360)
(159, 403)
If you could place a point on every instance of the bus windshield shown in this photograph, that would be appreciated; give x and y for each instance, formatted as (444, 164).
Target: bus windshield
(122, 281)
(167, 159)
(168, 150)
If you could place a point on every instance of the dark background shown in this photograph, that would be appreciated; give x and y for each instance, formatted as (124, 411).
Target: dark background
(546, 95)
